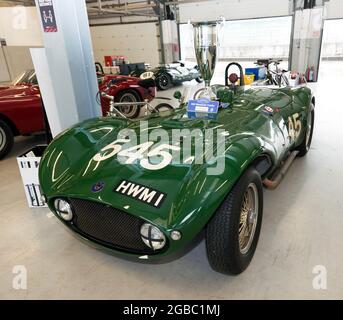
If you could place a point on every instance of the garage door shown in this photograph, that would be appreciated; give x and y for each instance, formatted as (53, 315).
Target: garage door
(246, 40)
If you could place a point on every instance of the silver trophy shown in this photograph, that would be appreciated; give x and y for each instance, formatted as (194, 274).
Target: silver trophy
(205, 44)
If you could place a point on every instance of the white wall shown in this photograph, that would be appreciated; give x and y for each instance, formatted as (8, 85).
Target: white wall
(18, 59)
(4, 73)
(233, 9)
(335, 9)
(20, 26)
(137, 42)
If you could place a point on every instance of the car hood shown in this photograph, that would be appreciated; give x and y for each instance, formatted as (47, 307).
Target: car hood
(106, 78)
(127, 78)
(10, 91)
(68, 168)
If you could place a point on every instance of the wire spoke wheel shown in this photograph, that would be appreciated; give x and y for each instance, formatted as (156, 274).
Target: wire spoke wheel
(6, 139)
(129, 110)
(2, 139)
(233, 232)
(164, 81)
(305, 145)
(248, 218)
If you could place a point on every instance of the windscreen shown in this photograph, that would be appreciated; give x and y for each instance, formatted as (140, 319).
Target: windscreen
(28, 76)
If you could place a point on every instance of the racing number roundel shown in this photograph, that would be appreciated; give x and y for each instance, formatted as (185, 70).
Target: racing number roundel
(294, 127)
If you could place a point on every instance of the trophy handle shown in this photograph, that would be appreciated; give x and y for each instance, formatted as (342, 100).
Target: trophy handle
(241, 77)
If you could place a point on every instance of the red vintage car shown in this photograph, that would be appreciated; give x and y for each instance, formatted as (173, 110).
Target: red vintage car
(21, 111)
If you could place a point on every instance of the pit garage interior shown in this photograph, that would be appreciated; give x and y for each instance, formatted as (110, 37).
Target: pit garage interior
(301, 234)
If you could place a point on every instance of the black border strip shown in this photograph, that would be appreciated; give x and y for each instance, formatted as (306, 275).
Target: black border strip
(141, 185)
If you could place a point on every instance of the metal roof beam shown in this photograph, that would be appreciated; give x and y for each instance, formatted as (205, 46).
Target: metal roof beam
(124, 9)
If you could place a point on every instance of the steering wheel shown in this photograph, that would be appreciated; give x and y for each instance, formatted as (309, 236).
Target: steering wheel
(233, 78)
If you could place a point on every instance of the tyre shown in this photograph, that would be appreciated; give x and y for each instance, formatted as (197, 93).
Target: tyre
(199, 80)
(306, 143)
(233, 232)
(6, 139)
(164, 81)
(163, 107)
(131, 111)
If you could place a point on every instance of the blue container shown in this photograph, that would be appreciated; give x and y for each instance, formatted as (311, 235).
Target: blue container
(262, 73)
(254, 71)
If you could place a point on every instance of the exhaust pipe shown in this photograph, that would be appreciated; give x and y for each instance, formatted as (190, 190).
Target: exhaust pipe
(273, 184)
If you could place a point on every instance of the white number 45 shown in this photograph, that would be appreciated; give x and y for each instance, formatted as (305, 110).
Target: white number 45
(294, 126)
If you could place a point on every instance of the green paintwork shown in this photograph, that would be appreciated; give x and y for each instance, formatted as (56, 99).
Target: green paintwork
(192, 195)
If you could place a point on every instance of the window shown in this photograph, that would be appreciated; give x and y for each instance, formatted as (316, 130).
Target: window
(333, 40)
(246, 39)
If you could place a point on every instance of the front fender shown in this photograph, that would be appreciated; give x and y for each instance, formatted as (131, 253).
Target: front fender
(159, 72)
(201, 196)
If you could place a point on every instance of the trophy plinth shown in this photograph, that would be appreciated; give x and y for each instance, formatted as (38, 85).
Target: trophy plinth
(205, 43)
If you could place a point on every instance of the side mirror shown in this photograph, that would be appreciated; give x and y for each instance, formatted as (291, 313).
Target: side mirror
(177, 95)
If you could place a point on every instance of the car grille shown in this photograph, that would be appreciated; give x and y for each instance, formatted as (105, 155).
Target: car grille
(108, 226)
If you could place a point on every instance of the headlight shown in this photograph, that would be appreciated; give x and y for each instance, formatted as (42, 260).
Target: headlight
(152, 236)
(64, 210)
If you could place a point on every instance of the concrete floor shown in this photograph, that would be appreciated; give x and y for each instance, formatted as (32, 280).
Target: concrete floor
(302, 228)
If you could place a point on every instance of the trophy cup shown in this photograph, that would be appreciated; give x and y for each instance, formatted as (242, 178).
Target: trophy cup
(205, 44)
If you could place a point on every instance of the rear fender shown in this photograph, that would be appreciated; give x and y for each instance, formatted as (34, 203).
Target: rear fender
(134, 90)
(160, 72)
(303, 96)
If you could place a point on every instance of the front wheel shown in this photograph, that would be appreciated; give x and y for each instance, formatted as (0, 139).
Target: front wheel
(6, 139)
(130, 111)
(233, 232)
(164, 81)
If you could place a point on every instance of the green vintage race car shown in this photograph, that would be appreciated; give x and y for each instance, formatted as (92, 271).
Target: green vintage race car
(113, 183)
